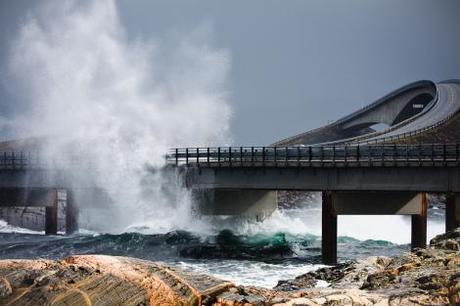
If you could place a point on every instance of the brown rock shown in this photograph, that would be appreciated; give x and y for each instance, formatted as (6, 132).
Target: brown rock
(454, 289)
(5, 288)
(103, 280)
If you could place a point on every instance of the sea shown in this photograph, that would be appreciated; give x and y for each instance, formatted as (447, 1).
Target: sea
(245, 251)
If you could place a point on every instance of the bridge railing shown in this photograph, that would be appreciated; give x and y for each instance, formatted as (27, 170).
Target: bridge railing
(19, 160)
(370, 155)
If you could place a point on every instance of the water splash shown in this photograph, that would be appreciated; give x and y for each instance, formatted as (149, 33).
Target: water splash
(117, 105)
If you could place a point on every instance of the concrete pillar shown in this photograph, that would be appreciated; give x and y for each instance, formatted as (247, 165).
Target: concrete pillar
(452, 211)
(419, 225)
(51, 216)
(71, 213)
(329, 230)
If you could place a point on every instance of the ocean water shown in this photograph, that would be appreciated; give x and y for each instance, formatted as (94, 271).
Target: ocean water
(240, 250)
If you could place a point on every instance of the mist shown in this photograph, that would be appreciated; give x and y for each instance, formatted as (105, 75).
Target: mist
(117, 105)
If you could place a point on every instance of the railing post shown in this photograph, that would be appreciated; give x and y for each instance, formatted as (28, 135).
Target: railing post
(186, 156)
(198, 156)
(357, 154)
(274, 156)
(241, 156)
(298, 156)
(345, 153)
(177, 157)
(419, 154)
(21, 160)
(263, 156)
(382, 155)
(230, 156)
(456, 152)
(309, 155)
(207, 155)
(394, 155)
(252, 156)
(286, 157)
(218, 156)
(321, 155)
(333, 155)
(407, 154)
(444, 153)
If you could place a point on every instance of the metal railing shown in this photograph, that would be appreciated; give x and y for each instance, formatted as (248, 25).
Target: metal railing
(340, 155)
(12, 160)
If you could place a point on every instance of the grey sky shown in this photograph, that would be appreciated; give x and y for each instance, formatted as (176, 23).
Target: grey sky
(296, 64)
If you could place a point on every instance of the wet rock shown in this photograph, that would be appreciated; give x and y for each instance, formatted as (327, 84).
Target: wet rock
(103, 280)
(300, 282)
(449, 241)
(380, 279)
(5, 288)
(454, 289)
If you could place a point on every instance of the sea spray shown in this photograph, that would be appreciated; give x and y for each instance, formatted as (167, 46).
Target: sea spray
(114, 106)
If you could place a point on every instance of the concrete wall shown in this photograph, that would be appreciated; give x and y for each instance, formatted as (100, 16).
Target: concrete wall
(251, 203)
(387, 178)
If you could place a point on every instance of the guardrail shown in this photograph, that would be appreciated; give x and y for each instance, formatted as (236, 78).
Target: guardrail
(12, 160)
(28, 160)
(341, 155)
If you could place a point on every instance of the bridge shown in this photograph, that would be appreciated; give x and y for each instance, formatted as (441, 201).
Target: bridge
(359, 169)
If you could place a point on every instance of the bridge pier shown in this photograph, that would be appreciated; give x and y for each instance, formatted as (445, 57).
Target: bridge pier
(71, 213)
(329, 230)
(49, 198)
(371, 203)
(51, 215)
(452, 211)
(419, 225)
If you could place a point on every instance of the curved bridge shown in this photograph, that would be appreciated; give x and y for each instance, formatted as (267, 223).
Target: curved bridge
(408, 111)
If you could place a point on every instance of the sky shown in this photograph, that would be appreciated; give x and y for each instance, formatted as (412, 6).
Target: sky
(294, 65)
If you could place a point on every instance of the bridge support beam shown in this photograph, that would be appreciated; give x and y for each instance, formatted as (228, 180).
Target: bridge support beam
(419, 225)
(51, 215)
(452, 211)
(257, 204)
(329, 230)
(71, 213)
(49, 198)
(371, 203)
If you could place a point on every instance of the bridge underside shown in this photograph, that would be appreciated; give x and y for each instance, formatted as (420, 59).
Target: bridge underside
(257, 204)
(381, 190)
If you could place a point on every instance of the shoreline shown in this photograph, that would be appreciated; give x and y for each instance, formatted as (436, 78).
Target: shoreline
(424, 277)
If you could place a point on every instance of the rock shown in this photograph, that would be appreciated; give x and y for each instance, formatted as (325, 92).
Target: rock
(380, 279)
(301, 302)
(454, 289)
(300, 282)
(103, 280)
(5, 288)
(449, 241)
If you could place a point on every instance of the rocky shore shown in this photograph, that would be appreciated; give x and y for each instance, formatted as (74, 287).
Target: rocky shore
(424, 277)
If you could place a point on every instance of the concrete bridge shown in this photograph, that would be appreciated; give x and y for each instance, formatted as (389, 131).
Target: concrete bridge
(358, 169)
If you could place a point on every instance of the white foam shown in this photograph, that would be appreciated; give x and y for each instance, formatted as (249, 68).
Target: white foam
(251, 273)
(7, 228)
